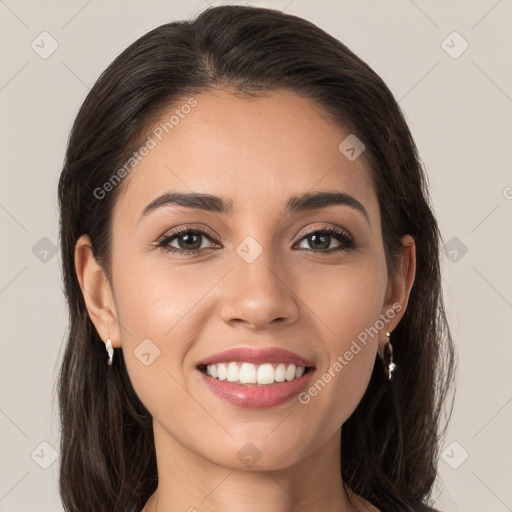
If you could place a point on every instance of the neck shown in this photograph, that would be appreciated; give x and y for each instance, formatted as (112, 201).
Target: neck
(189, 482)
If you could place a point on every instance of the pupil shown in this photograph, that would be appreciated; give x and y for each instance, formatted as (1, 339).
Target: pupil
(187, 238)
(325, 238)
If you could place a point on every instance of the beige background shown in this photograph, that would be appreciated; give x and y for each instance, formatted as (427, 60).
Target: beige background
(459, 110)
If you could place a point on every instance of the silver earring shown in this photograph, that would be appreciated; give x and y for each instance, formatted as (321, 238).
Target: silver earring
(386, 354)
(110, 350)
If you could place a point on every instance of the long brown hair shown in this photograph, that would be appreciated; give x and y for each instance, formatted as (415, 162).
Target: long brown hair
(390, 443)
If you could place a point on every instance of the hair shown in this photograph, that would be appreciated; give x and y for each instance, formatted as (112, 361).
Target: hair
(389, 448)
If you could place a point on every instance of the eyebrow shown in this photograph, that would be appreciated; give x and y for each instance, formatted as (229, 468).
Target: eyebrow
(214, 204)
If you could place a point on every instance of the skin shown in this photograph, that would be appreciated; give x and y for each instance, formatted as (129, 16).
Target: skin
(257, 152)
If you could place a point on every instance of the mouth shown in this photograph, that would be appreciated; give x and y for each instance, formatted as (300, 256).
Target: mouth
(266, 374)
(255, 378)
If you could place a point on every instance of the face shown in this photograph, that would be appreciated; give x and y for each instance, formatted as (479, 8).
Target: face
(256, 275)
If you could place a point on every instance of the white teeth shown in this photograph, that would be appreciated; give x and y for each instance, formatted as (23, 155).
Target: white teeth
(280, 373)
(248, 373)
(233, 372)
(265, 374)
(290, 372)
(222, 371)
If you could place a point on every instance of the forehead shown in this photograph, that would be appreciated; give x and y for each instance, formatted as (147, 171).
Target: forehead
(257, 150)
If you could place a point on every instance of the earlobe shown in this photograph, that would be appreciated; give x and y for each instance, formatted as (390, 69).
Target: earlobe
(96, 291)
(397, 297)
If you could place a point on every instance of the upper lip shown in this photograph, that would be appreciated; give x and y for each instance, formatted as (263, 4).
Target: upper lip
(256, 356)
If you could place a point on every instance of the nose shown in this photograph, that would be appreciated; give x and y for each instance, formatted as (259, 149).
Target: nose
(259, 294)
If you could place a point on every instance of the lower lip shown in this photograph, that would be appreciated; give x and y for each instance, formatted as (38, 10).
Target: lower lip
(256, 396)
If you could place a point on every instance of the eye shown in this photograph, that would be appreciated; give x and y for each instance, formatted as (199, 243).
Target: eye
(189, 240)
(321, 239)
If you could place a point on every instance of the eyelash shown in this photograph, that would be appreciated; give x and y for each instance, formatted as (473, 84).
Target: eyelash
(341, 236)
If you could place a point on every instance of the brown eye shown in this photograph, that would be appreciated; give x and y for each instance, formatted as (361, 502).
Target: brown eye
(189, 241)
(320, 240)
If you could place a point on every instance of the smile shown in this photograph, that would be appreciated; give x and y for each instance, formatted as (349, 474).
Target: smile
(249, 373)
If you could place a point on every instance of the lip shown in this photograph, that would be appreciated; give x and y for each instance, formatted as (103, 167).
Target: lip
(256, 396)
(256, 356)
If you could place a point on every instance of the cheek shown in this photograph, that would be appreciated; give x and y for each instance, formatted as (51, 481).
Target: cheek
(157, 321)
(347, 300)
(348, 304)
(153, 300)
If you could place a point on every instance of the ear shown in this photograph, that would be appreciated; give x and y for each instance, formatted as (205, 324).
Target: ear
(97, 292)
(399, 285)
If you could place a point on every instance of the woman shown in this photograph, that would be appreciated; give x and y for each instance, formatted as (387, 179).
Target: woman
(245, 229)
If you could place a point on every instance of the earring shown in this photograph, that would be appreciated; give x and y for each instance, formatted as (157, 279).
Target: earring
(386, 354)
(110, 351)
